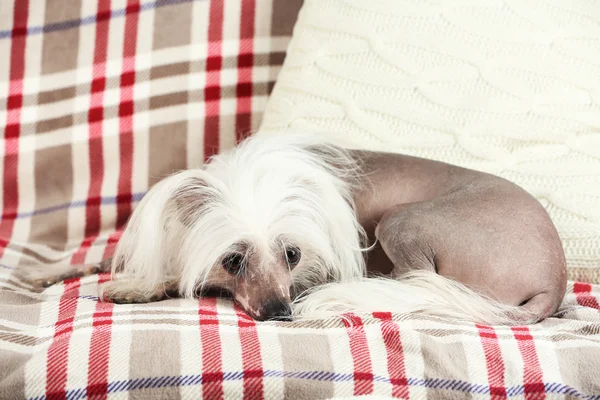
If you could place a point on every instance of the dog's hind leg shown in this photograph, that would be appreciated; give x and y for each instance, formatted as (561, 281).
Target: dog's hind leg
(542, 305)
(405, 239)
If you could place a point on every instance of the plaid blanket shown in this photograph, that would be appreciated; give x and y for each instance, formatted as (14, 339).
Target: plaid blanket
(101, 99)
(63, 343)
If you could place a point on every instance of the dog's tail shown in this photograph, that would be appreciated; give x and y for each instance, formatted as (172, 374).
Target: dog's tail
(421, 292)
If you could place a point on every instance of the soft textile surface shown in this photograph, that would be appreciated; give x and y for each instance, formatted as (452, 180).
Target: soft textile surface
(507, 87)
(98, 100)
(65, 343)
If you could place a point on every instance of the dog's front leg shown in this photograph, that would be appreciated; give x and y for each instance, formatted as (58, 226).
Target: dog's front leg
(124, 291)
(43, 276)
(127, 290)
(407, 238)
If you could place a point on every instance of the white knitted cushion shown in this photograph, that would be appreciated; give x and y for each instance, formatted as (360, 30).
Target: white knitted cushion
(509, 87)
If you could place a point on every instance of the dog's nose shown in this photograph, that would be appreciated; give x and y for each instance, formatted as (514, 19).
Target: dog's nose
(276, 310)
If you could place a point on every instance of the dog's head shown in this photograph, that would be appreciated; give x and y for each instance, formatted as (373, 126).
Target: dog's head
(263, 222)
(260, 278)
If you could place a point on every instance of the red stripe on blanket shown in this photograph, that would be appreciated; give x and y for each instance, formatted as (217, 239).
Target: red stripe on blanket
(493, 361)
(58, 352)
(99, 356)
(95, 123)
(212, 373)
(533, 379)
(251, 356)
(213, 79)
(244, 90)
(395, 355)
(359, 349)
(126, 111)
(583, 292)
(111, 243)
(12, 130)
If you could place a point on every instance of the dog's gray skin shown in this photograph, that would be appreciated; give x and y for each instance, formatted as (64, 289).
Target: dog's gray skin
(476, 228)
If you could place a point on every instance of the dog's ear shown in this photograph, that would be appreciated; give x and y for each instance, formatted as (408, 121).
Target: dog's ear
(190, 199)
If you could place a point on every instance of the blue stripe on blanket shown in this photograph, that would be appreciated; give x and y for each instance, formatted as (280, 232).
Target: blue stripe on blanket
(107, 200)
(74, 23)
(438, 383)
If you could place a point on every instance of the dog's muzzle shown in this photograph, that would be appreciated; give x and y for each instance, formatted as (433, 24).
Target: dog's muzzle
(276, 310)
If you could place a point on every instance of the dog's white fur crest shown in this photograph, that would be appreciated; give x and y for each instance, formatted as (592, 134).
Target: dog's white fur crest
(264, 190)
(269, 188)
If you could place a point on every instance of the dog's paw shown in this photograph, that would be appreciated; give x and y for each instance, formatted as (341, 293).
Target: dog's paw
(126, 292)
(45, 283)
(44, 276)
(127, 299)
(41, 276)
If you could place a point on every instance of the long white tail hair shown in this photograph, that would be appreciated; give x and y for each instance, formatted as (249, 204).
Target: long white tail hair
(422, 292)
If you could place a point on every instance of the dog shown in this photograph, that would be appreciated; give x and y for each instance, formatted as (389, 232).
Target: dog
(295, 227)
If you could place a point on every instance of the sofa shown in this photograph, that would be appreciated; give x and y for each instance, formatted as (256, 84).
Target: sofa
(101, 100)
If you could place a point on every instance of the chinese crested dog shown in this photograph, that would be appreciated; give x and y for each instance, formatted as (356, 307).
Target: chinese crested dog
(297, 228)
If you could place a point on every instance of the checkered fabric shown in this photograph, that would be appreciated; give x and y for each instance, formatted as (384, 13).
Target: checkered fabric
(63, 343)
(101, 99)
(98, 101)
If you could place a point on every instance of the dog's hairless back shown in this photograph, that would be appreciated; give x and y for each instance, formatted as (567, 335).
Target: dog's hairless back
(477, 228)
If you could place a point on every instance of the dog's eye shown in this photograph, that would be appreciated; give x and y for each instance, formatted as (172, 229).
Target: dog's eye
(233, 263)
(292, 255)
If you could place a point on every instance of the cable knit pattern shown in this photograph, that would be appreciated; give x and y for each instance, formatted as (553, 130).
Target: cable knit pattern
(508, 87)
